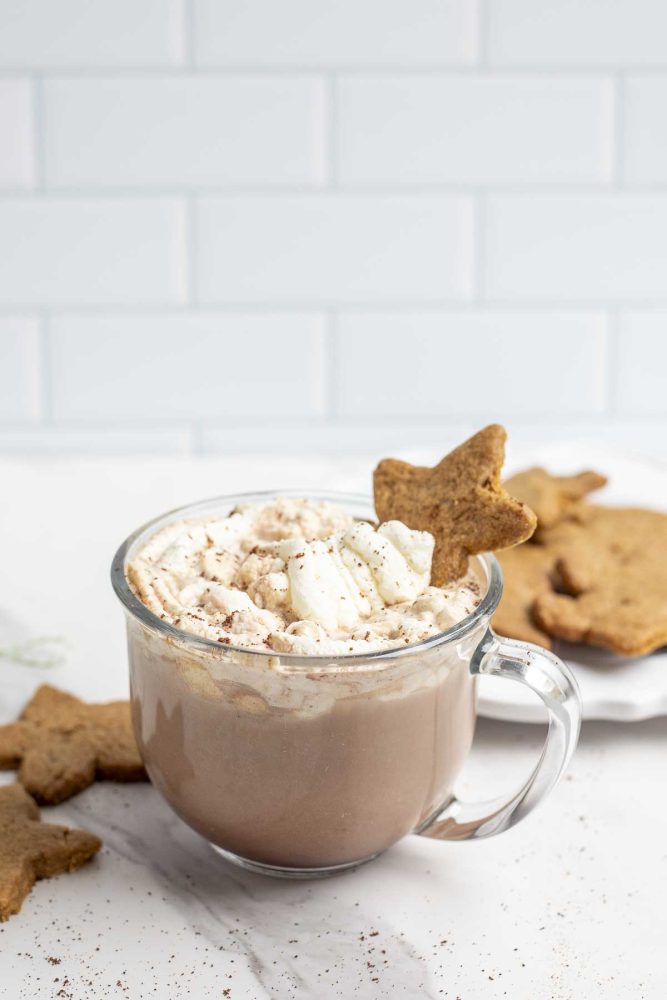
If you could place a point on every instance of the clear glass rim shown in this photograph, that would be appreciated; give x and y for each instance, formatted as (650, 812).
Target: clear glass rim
(138, 609)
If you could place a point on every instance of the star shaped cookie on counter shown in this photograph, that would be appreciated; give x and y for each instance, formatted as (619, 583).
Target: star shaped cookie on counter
(460, 501)
(30, 849)
(60, 745)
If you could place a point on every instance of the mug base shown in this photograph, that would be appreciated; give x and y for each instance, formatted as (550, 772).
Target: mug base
(280, 871)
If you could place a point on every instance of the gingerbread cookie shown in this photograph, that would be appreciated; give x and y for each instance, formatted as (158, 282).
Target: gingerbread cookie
(461, 502)
(552, 497)
(528, 571)
(60, 745)
(30, 849)
(612, 563)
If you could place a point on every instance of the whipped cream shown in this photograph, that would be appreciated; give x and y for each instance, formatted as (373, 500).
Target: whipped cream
(298, 576)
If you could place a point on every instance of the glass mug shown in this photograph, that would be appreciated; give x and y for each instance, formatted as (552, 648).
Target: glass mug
(302, 766)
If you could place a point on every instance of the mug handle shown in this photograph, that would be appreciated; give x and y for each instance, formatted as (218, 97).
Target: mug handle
(549, 678)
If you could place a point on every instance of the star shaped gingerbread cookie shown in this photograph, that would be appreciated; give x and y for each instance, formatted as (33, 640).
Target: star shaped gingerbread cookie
(61, 744)
(30, 849)
(460, 501)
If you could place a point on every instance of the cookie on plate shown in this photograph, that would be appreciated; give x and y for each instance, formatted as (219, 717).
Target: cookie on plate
(552, 498)
(611, 566)
(528, 571)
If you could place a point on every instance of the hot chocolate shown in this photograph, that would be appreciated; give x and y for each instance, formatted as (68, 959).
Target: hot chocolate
(303, 770)
(301, 763)
(302, 693)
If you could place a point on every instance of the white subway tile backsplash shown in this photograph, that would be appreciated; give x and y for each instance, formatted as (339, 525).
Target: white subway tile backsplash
(641, 373)
(645, 136)
(424, 442)
(312, 226)
(100, 439)
(19, 368)
(187, 367)
(575, 33)
(349, 438)
(467, 130)
(576, 248)
(341, 33)
(83, 251)
(67, 33)
(191, 130)
(462, 363)
(326, 248)
(17, 147)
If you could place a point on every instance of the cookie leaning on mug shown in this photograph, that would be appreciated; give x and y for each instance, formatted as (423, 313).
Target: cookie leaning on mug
(60, 745)
(460, 501)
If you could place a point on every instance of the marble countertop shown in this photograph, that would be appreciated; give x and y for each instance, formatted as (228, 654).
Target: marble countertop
(569, 904)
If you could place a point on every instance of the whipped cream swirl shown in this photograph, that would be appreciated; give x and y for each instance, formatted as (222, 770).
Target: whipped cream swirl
(298, 576)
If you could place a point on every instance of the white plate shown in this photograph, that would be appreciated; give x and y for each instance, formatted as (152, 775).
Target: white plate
(612, 687)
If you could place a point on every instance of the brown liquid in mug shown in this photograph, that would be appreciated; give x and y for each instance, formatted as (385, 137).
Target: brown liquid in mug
(296, 788)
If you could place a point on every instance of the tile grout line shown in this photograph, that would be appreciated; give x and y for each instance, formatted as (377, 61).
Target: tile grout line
(190, 255)
(196, 437)
(188, 35)
(329, 362)
(610, 366)
(194, 424)
(86, 192)
(618, 148)
(330, 133)
(426, 307)
(39, 134)
(479, 249)
(482, 14)
(469, 70)
(46, 368)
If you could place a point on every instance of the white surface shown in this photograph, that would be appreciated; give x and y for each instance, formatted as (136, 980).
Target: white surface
(19, 368)
(318, 248)
(116, 439)
(642, 358)
(508, 130)
(299, 33)
(143, 130)
(567, 905)
(93, 250)
(179, 362)
(17, 131)
(624, 690)
(576, 248)
(623, 33)
(646, 153)
(307, 150)
(440, 343)
(75, 33)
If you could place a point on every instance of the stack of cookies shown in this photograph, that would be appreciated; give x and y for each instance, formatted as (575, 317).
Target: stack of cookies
(590, 573)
